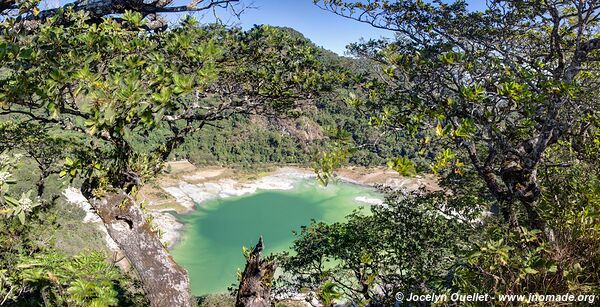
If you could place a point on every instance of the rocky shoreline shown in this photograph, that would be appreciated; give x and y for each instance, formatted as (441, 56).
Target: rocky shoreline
(185, 186)
(189, 195)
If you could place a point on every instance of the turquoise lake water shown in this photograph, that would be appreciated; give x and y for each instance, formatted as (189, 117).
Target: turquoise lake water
(211, 245)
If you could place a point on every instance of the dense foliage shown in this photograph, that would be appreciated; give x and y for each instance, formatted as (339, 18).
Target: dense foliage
(98, 89)
(406, 245)
(501, 104)
(42, 261)
(509, 97)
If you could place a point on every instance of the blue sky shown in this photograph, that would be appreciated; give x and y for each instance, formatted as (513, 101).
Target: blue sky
(323, 28)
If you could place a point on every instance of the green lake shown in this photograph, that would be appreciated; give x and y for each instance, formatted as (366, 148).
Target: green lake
(211, 244)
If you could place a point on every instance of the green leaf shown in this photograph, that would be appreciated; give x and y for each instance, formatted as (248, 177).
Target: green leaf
(21, 216)
(531, 271)
(11, 201)
(183, 83)
(403, 165)
(439, 131)
(26, 53)
(163, 96)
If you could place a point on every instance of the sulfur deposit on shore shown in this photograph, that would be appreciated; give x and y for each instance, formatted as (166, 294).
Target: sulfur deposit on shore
(369, 200)
(183, 186)
(186, 186)
(189, 193)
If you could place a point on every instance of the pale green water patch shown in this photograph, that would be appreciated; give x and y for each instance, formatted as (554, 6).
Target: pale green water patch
(211, 245)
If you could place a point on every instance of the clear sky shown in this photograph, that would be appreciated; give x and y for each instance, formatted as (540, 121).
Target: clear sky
(323, 28)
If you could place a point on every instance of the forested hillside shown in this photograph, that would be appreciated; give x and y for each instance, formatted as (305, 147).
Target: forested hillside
(298, 136)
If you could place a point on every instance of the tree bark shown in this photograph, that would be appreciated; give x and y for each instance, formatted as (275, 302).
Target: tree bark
(166, 284)
(255, 286)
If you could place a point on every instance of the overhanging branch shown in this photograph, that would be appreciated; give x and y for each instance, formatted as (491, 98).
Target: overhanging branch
(102, 8)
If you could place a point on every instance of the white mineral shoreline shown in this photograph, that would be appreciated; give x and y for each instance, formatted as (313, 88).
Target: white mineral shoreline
(192, 195)
(188, 187)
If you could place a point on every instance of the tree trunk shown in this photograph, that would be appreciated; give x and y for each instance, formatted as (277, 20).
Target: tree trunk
(166, 284)
(255, 286)
(521, 182)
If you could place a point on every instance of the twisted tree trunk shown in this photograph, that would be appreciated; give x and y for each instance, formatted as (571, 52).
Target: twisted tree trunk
(255, 286)
(166, 284)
